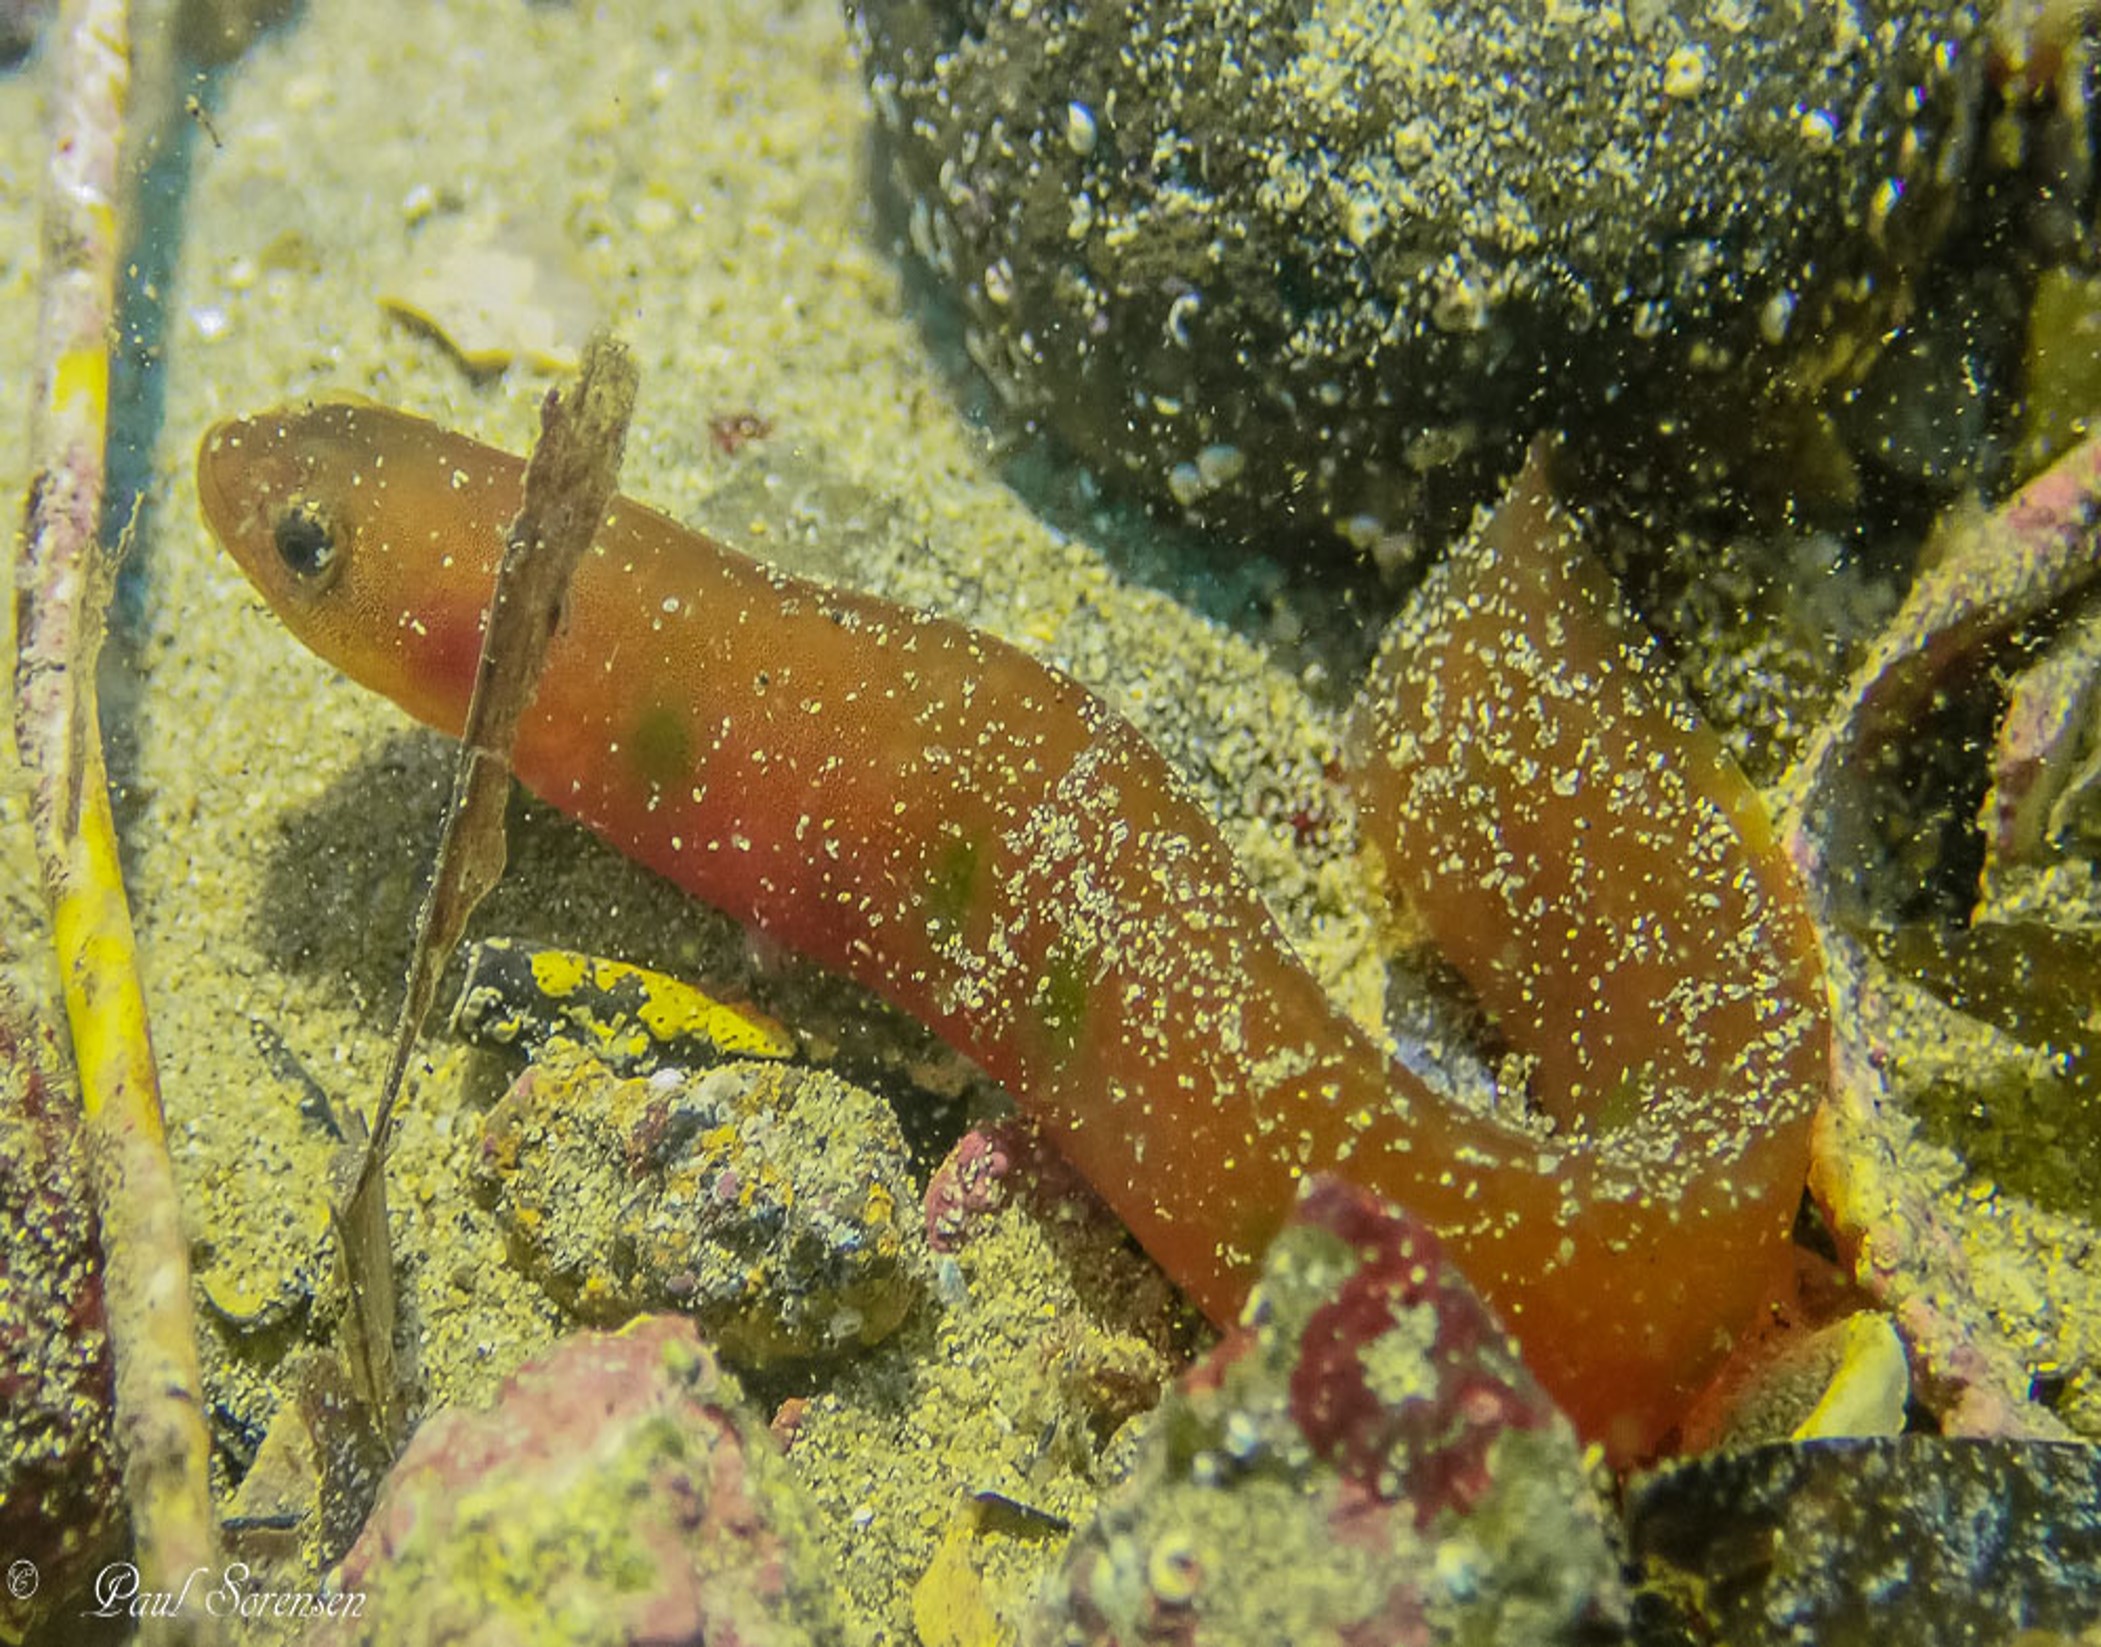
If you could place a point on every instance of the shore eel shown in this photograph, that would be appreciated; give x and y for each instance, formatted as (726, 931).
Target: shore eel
(983, 842)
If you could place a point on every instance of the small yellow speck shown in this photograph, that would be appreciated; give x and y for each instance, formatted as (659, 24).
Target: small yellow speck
(1686, 72)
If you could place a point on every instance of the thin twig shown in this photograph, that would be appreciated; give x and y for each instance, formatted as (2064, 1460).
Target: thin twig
(62, 581)
(569, 483)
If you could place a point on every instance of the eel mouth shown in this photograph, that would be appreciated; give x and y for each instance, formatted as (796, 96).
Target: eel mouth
(243, 475)
(215, 455)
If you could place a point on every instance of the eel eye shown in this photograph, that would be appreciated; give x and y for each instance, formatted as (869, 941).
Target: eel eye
(306, 543)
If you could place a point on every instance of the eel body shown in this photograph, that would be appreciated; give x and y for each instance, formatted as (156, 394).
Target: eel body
(984, 843)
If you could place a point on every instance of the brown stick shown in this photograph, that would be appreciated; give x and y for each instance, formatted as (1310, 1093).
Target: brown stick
(62, 581)
(569, 483)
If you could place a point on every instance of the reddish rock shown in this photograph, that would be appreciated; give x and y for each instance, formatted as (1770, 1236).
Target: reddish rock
(988, 1166)
(1365, 1460)
(1404, 1380)
(618, 1492)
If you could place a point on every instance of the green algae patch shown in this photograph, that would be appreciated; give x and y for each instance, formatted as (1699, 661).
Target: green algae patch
(662, 746)
(952, 889)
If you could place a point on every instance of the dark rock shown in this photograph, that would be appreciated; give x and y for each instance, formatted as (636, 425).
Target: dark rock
(1331, 264)
(1932, 1541)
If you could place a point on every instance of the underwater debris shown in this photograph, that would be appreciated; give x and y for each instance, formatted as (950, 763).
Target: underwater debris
(315, 1476)
(1983, 574)
(1869, 1385)
(1846, 1376)
(1367, 1460)
(518, 997)
(2045, 794)
(494, 293)
(767, 1201)
(618, 1490)
(981, 841)
(563, 492)
(1986, 575)
(953, 1605)
(730, 432)
(1282, 266)
(1923, 1539)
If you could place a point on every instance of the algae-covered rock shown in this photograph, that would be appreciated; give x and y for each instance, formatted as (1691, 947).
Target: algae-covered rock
(1332, 262)
(771, 1202)
(992, 1164)
(618, 1492)
(59, 1508)
(1366, 1461)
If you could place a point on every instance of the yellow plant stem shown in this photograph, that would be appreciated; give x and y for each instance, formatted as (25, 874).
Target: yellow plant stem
(62, 583)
